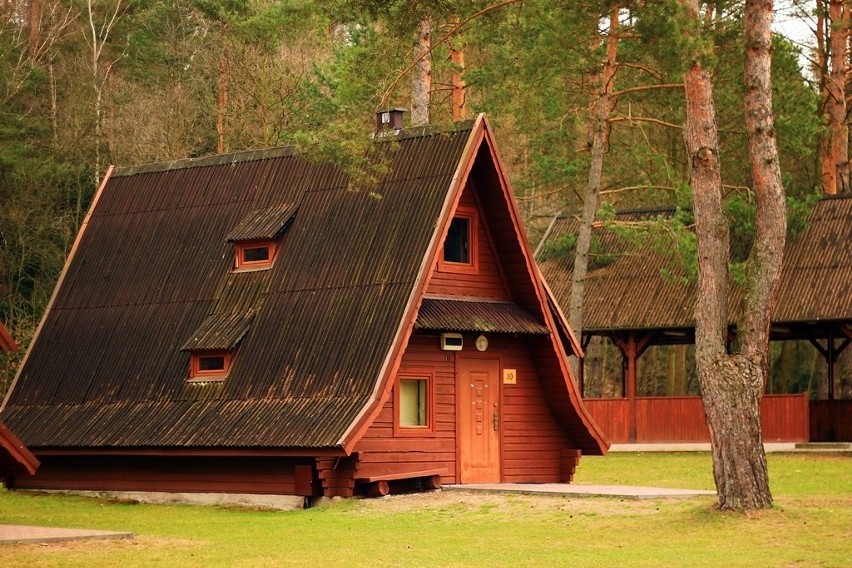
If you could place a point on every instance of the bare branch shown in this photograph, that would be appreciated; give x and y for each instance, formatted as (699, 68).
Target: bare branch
(652, 72)
(648, 88)
(645, 119)
(635, 187)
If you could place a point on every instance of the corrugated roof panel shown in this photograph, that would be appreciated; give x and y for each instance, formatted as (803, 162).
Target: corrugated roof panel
(266, 223)
(220, 331)
(462, 315)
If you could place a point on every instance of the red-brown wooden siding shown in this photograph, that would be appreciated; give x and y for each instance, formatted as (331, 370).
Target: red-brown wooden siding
(146, 473)
(381, 452)
(488, 282)
(681, 419)
(531, 438)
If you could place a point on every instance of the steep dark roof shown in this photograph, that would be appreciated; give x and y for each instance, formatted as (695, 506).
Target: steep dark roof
(151, 276)
(634, 292)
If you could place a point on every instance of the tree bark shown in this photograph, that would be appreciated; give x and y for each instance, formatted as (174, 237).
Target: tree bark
(421, 82)
(35, 29)
(731, 385)
(602, 106)
(828, 172)
(838, 13)
(221, 103)
(459, 85)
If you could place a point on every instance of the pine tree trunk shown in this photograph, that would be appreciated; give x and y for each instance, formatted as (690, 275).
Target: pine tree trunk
(731, 385)
(221, 103)
(459, 85)
(828, 171)
(35, 29)
(421, 82)
(838, 13)
(601, 110)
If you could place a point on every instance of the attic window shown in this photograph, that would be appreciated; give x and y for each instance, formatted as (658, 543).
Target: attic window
(209, 365)
(257, 236)
(254, 254)
(459, 254)
(213, 346)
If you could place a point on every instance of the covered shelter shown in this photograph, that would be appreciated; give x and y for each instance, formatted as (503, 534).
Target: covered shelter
(641, 297)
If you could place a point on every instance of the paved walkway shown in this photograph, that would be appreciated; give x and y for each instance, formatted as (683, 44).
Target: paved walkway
(770, 447)
(580, 490)
(16, 534)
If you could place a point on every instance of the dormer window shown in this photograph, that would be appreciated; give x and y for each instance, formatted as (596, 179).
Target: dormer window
(254, 254)
(460, 246)
(213, 346)
(257, 236)
(209, 365)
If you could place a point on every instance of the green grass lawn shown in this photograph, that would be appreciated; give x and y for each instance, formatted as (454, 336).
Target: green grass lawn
(811, 525)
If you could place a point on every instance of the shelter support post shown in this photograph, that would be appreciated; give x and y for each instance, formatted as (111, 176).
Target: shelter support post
(831, 353)
(581, 366)
(632, 347)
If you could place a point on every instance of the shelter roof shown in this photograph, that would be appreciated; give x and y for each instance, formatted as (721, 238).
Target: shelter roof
(639, 287)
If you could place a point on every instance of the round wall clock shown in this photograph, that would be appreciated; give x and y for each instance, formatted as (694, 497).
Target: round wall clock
(482, 343)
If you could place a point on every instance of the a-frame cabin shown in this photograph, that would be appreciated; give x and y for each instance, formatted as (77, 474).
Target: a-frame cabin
(248, 324)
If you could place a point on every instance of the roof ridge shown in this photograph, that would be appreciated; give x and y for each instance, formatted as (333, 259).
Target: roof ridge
(279, 151)
(633, 210)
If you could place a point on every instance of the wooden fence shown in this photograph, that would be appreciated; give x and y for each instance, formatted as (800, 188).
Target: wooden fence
(831, 420)
(681, 419)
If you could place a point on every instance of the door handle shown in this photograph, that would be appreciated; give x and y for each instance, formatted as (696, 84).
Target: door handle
(496, 421)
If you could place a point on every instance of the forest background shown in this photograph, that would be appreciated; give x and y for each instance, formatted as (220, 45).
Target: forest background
(86, 83)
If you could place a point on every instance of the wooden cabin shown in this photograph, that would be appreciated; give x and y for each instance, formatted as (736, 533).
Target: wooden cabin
(639, 297)
(247, 323)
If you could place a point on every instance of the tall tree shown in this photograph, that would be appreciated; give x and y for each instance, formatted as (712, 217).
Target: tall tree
(602, 105)
(421, 79)
(732, 384)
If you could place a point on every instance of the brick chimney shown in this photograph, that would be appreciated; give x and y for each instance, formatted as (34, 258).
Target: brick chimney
(389, 121)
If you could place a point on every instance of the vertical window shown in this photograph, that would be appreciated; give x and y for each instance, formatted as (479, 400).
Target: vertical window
(457, 245)
(460, 245)
(413, 403)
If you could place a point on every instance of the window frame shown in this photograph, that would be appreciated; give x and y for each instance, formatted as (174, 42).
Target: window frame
(414, 375)
(472, 266)
(242, 265)
(197, 374)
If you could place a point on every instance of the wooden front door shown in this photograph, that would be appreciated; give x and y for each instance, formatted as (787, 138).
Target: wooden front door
(479, 420)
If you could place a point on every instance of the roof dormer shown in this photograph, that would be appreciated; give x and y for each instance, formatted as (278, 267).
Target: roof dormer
(256, 238)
